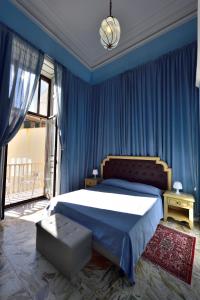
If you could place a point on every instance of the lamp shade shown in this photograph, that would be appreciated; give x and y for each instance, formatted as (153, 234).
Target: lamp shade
(95, 172)
(178, 186)
(110, 33)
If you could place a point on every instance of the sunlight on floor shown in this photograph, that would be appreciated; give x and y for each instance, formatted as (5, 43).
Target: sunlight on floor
(18, 197)
(25, 274)
(12, 214)
(32, 212)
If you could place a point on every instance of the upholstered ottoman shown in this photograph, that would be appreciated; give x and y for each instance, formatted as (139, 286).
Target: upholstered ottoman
(65, 243)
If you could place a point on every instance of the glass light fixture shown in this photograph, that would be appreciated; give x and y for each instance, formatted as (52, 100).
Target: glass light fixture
(110, 31)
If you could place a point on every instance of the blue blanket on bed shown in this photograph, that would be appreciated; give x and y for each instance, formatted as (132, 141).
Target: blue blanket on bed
(124, 235)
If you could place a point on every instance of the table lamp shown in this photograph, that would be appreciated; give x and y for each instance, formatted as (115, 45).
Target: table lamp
(177, 186)
(95, 173)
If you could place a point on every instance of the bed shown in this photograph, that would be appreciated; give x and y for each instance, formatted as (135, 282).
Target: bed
(122, 211)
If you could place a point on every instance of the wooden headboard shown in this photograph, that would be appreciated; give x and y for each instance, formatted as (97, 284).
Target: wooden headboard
(142, 169)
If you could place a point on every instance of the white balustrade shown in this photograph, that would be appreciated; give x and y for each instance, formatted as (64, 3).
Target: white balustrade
(24, 177)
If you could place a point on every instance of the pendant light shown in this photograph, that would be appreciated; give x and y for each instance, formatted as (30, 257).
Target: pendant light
(110, 31)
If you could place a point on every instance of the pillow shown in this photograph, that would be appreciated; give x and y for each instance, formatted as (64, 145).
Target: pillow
(134, 186)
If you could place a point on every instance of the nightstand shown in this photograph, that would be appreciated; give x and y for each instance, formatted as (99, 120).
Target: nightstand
(179, 207)
(92, 181)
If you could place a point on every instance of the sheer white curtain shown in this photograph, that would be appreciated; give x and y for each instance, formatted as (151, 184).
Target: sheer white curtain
(25, 69)
(17, 89)
(59, 97)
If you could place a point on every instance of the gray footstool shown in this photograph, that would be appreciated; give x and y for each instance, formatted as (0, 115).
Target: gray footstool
(65, 243)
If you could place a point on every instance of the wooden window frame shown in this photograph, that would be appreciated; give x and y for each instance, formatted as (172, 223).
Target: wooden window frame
(46, 79)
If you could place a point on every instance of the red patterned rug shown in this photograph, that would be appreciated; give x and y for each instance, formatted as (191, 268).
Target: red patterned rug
(173, 251)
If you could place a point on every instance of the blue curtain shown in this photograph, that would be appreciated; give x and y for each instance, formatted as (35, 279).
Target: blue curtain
(5, 58)
(20, 68)
(75, 123)
(5, 62)
(150, 110)
(154, 110)
(25, 68)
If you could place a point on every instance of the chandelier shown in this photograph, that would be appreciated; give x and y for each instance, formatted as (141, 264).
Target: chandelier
(110, 31)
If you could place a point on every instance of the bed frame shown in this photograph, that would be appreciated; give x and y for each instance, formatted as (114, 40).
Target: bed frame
(143, 169)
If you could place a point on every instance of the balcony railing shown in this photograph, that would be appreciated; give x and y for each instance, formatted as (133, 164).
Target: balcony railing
(24, 181)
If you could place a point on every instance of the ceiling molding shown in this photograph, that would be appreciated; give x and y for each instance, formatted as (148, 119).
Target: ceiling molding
(168, 16)
(141, 42)
(65, 45)
(144, 32)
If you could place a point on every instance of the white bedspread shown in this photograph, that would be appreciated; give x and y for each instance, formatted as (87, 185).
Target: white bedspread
(115, 202)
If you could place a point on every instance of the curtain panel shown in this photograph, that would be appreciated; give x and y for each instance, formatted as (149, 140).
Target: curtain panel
(20, 68)
(150, 110)
(25, 68)
(5, 59)
(5, 63)
(198, 46)
(2, 186)
(153, 110)
(74, 98)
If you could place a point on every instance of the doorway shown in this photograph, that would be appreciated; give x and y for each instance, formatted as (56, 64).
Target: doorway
(31, 155)
(26, 162)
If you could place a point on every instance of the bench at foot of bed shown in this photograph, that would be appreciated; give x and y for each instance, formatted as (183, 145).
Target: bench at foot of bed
(65, 243)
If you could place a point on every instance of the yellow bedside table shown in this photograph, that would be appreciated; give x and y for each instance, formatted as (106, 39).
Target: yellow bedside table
(92, 181)
(179, 207)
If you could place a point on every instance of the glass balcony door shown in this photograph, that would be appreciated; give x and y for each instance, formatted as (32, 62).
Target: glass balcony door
(32, 154)
(51, 158)
(25, 174)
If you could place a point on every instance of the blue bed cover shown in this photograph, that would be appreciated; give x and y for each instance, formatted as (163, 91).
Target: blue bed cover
(124, 235)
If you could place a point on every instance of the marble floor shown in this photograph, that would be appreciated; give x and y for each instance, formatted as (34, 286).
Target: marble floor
(25, 274)
(24, 195)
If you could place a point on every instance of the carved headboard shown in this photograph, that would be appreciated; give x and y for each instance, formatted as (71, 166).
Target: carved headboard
(142, 169)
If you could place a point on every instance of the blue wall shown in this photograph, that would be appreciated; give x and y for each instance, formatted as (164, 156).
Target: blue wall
(169, 41)
(178, 37)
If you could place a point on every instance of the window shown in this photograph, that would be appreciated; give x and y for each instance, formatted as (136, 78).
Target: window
(40, 102)
(34, 103)
(44, 97)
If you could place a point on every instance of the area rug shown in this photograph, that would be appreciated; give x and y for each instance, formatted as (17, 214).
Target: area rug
(173, 251)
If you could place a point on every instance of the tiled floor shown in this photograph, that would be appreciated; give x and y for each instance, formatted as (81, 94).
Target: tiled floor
(25, 274)
(25, 195)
